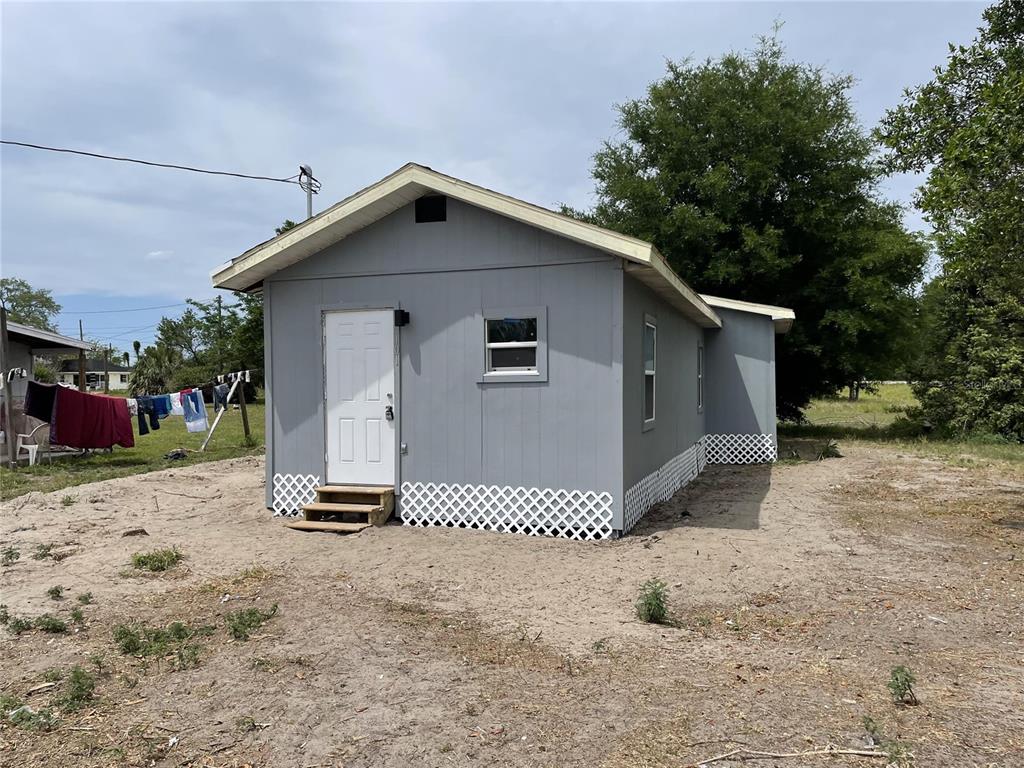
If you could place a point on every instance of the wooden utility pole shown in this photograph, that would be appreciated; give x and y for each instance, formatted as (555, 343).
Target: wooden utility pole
(5, 365)
(81, 359)
(106, 370)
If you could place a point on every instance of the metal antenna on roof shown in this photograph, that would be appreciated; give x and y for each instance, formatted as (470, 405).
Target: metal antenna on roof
(310, 186)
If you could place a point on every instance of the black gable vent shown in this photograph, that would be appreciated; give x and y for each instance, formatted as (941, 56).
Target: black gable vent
(431, 208)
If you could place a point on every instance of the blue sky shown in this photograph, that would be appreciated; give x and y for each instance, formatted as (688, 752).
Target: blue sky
(516, 97)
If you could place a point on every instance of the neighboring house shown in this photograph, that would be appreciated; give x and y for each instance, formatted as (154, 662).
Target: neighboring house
(23, 343)
(68, 374)
(499, 365)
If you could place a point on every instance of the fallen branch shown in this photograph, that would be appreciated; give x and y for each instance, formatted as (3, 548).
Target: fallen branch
(755, 754)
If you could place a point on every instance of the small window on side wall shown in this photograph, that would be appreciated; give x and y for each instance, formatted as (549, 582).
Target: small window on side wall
(512, 344)
(700, 377)
(515, 345)
(650, 369)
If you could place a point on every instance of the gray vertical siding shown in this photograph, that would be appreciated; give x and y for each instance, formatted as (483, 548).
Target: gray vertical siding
(562, 433)
(741, 375)
(679, 423)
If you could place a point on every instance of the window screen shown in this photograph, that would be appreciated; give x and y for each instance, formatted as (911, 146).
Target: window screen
(650, 368)
(511, 344)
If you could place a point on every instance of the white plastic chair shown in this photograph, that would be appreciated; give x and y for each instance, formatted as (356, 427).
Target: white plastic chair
(31, 448)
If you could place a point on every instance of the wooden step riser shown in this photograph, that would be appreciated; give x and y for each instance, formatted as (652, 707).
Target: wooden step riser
(352, 498)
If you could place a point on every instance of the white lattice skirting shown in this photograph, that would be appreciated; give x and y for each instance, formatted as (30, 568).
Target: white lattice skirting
(292, 491)
(662, 484)
(741, 449)
(571, 514)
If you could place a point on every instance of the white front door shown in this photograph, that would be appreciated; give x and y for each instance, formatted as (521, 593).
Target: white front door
(359, 352)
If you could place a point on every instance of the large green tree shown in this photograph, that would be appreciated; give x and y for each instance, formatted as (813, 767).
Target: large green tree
(966, 129)
(751, 174)
(28, 305)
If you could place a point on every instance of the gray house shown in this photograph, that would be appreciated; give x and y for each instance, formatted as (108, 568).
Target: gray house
(497, 364)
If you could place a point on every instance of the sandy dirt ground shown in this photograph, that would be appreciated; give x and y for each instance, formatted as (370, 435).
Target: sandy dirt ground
(793, 591)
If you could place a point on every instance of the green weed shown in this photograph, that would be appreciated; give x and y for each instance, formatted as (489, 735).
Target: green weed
(67, 500)
(651, 604)
(55, 592)
(43, 551)
(78, 691)
(901, 681)
(242, 623)
(157, 560)
(50, 624)
(9, 556)
(85, 598)
(16, 625)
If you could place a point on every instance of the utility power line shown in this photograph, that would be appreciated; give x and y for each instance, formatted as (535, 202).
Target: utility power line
(112, 311)
(289, 180)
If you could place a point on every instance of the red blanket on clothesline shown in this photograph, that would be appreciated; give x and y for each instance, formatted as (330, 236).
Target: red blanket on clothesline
(81, 420)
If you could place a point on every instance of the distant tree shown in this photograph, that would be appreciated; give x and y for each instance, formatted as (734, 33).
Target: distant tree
(155, 371)
(137, 347)
(288, 224)
(44, 372)
(28, 305)
(751, 174)
(965, 128)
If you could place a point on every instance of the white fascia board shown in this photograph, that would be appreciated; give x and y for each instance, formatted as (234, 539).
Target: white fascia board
(783, 317)
(412, 181)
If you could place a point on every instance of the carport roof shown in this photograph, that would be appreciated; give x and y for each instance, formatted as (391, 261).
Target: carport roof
(37, 338)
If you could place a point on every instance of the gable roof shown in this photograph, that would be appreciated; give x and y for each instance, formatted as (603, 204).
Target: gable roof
(412, 181)
(782, 317)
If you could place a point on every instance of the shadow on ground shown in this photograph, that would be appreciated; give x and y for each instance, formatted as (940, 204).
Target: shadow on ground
(723, 496)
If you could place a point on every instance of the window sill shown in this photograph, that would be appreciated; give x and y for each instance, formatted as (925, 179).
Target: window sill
(511, 377)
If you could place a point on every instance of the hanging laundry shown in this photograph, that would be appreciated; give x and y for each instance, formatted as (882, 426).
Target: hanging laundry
(133, 406)
(162, 406)
(81, 420)
(146, 408)
(176, 409)
(195, 410)
(220, 397)
(39, 400)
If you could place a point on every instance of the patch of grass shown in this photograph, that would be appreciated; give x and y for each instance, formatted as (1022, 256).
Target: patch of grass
(16, 625)
(829, 451)
(50, 624)
(8, 703)
(52, 675)
(5, 615)
(43, 551)
(157, 560)
(98, 660)
(77, 616)
(67, 500)
(78, 690)
(651, 604)
(242, 623)
(9, 556)
(147, 456)
(55, 592)
(900, 685)
(85, 598)
(140, 640)
(32, 720)
(187, 656)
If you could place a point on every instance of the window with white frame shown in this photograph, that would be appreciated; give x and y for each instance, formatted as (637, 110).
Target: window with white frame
(515, 346)
(511, 345)
(650, 368)
(700, 377)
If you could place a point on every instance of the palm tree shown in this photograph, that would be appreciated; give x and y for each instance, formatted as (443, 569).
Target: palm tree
(137, 346)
